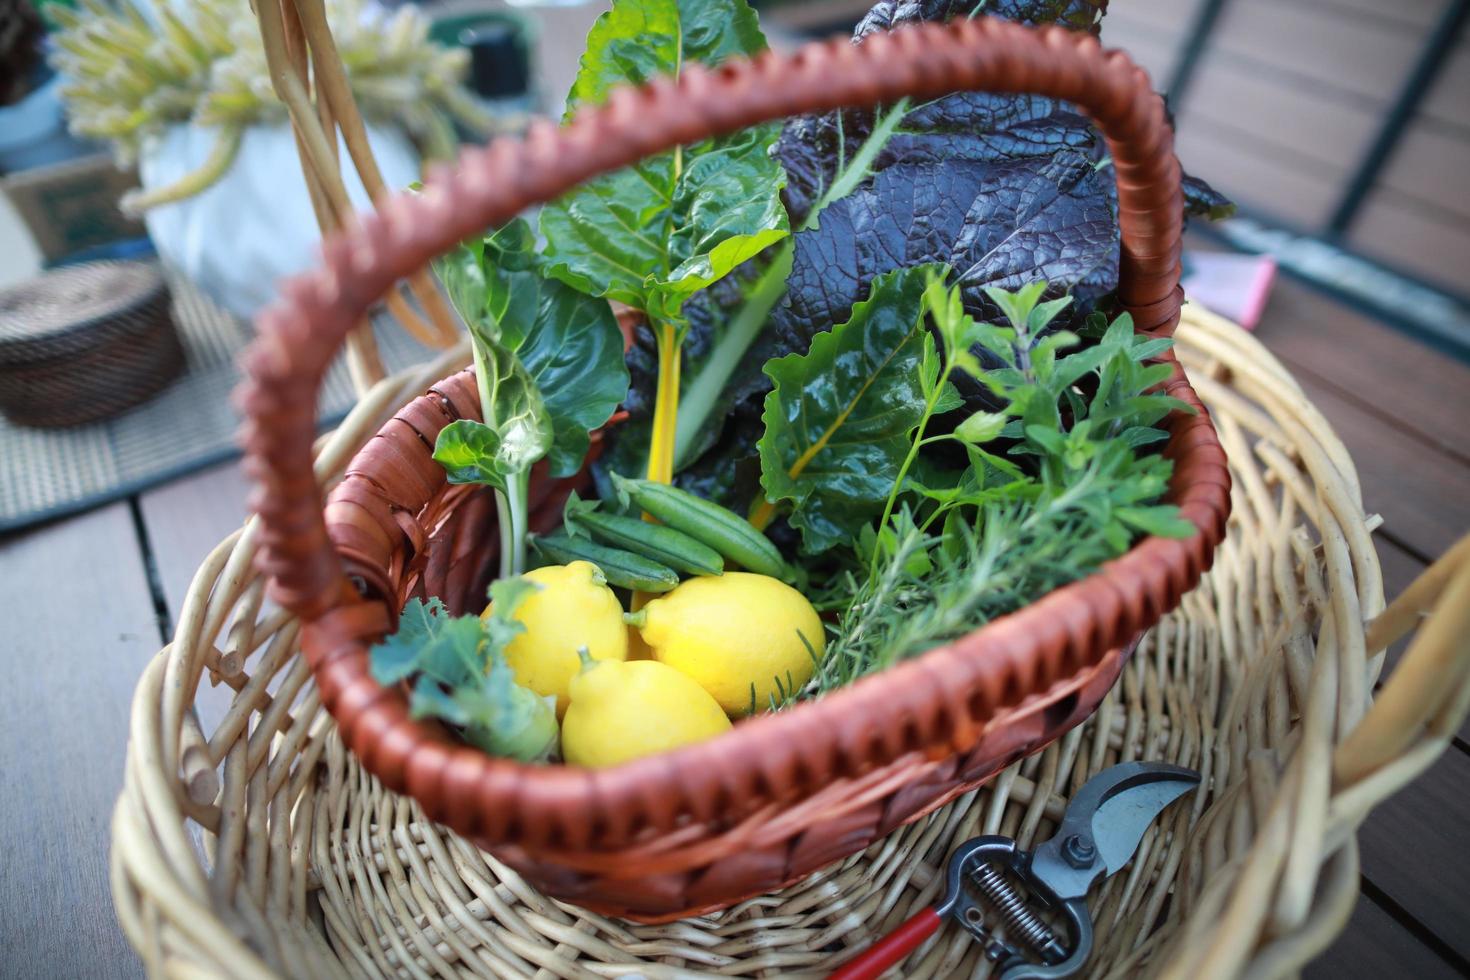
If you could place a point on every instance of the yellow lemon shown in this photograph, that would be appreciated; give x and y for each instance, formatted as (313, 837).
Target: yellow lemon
(743, 637)
(623, 711)
(573, 608)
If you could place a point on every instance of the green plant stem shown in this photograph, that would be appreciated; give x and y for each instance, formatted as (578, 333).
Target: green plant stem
(518, 490)
(502, 501)
(703, 393)
(857, 168)
(908, 461)
(511, 502)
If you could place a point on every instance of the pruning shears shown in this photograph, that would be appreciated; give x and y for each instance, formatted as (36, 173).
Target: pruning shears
(1100, 830)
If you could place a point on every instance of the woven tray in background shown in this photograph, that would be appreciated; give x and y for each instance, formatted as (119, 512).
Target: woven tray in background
(45, 473)
(1258, 680)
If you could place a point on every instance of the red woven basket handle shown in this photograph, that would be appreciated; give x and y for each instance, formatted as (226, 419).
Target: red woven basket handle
(783, 756)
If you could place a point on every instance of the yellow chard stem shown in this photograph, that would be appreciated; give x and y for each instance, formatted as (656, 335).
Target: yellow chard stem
(665, 406)
(762, 514)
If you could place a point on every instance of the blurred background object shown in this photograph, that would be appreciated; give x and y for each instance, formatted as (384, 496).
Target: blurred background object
(32, 127)
(183, 90)
(85, 342)
(501, 50)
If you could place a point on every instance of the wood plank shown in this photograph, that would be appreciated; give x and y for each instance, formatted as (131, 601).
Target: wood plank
(815, 17)
(1408, 15)
(1173, 17)
(1260, 177)
(1400, 568)
(1303, 121)
(81, 625)
(1423, 495)
(1446, 100)
(1155, 51)
(1374, 945)
(1304, 42)
(1420, 238)
(1429, 166)
(1416, 850)
(1414, 385)
(184, 521)
(560, 38)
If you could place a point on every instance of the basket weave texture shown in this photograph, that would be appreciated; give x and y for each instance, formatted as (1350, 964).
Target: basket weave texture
(1260, 679)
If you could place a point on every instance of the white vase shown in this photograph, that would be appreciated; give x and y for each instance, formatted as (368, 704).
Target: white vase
(255, 225)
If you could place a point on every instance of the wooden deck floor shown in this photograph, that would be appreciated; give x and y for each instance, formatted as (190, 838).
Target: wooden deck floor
(88, 601)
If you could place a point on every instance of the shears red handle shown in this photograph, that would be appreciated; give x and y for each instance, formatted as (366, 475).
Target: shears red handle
(891, 948)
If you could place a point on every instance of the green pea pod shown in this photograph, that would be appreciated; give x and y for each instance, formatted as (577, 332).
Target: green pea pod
(706, 522)
(661, 543)
(619, 567)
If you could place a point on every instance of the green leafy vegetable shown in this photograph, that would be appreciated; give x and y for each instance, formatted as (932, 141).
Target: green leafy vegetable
(654, 234)
(501, 450)
(569, 343)
(549, 365)
(1006, 189)
(462, 676)
(838, 417)
(955, 549)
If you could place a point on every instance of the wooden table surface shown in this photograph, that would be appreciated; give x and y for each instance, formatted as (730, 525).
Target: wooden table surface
(87, 601)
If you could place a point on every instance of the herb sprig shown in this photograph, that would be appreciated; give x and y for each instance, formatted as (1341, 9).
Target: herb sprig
(462, 676)
(959, 548)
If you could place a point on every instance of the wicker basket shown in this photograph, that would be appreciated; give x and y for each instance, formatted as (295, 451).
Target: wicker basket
(86, 342)
(697, 829)
(1261, 679)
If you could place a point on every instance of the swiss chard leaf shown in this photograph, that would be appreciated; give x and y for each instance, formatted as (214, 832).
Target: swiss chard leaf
(469, 451)
(568, 344)
(653, 234)
(838, 418)
(639, 40)
(517, 430)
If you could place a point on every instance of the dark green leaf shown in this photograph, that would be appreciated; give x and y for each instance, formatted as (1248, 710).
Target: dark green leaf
(568, 343)
(838, 419)
(639, 40)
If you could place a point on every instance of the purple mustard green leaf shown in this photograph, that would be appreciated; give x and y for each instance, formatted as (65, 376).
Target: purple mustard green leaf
(1202, 200)
(1079, 15)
